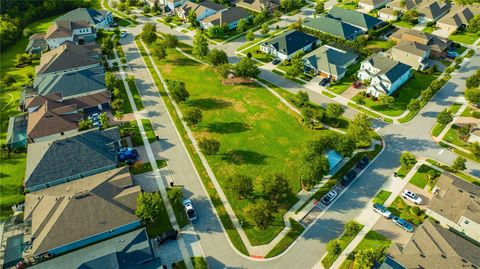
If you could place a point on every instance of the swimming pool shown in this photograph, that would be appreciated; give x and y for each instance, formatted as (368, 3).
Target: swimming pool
(334, 158)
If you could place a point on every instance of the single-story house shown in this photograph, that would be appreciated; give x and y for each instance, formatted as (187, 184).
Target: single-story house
(370, 5)
(287, 44)
(329, 61)
(456, 204)
(432, 10)
(100, 19)
(76, 214)
(412, 53)
(170, 5)
(75, 157)
(36, 44)
(355, 18)
(201, 10)
(438, 45)
(457, 18)
(385, 75)
(404, 5)
(433, 246)
(388, 14)
(229, 17)
(258, 5)
(333, 27)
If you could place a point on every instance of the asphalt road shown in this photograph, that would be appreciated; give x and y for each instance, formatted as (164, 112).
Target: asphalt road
(309, 248)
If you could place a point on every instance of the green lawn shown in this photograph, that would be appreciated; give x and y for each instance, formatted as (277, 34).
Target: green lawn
(147, 125)
(438, 128)
(402, 172)
(464, 37)
(459, 174)
(401, 209)
(235, 115)
(350, 5)
(286, 241)
(257, 54)
(404, 24)
(407, 92)
(126, 107)
(453, 136)
(179, 211)
(131, 129)
(161, 224)
(420, 178)
(135, 94)
(343, 84)
(280, 73)
(199, 263)
(372, 240)
(345, 239)
(428, 29)
(251, 43)
(381, 197)
(377, 45)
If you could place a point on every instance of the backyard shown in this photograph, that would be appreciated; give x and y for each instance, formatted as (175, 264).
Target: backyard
(236, 114)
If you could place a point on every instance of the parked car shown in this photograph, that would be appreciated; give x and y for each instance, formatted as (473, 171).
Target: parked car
(276, 61)
(348, 178)
(166, 236)
(411, 196)
(95, 118)
(123, 34)
(407, 226)
(128, 155)
(452, 54)
(380, 209)
(357, 84)
(324, 82)
(363, 162)
(191, 214)
(328, 198)
(113, 24)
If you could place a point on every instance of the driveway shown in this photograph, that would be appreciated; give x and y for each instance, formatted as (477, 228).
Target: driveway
(387, 228)
(441, 32)
(422, 193)
(351, 92)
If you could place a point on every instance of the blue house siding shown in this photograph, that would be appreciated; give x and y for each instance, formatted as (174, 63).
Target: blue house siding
(95, 238)
(397, 84)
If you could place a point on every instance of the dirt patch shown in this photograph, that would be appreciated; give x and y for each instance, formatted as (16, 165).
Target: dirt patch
(236, 80)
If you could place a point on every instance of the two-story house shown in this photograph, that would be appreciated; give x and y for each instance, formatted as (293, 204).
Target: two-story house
(99, 19)
(287, 44)
(201, 10)
(458, 18)
(329, 61)
(258, 5)
(385, 75)
(229, 17)
(370, 5)
(438, 45)
(412, 53)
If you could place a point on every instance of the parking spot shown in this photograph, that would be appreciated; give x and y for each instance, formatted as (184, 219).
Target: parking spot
(422, 193)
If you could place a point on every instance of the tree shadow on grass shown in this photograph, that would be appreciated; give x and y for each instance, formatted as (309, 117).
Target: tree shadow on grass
(244, 157)
(185, 61)
(210, 103)
(228, 127)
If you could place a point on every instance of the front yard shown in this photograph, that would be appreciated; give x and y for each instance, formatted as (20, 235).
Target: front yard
(372, 240)
(425, 175)
(381, 197)
(400, 208)
(404, 24)
(343, 84)
(258, 55)
(465, 37)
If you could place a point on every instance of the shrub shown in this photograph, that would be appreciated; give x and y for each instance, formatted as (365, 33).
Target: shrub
(415, 210)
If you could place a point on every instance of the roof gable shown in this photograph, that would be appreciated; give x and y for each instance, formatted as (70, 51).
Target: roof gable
(333, 26)
(358, 19)
(92, 16)
(291, 41)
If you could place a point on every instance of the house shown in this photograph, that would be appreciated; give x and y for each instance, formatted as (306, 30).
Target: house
(404, 5)
(355, 18)
(411, 53)
(388, 14)
(329, 61)
(438, 45)
(201, 10)
(229, 17)
(333, 27)
(456, 204)
(51, 163)
(50, 116)
(131, 250)
(258, 5)
(370, 5)
(432, 246)
(385, 75)
(287, 44)
(76, 214)
(99, 19)
(432, 10)
(170, 5)
(458, 18)
(36, 44)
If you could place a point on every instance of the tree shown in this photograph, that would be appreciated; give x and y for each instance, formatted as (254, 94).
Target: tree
(473, 81)
(407, 160)
(475, 149)
(360, 100)
(276, 187)
(110, 81)
(149, 206)
(241, 25)
(464, 132)
(148, 33)
(200, 44)
(259, 214)
(168, 19)
(27, 32)
(193, 116)
(192, 18)
(410, 16)
(103, 120)
(217, 57)
(334, 111)
(320, 7)
(240, 185)
(178, 91)
(247, 68)
(352, 228)
(285, 4)
(85, 125)
(414, 105)
(159, 52)
(119, 114)
(359, 128)
(473, 95)
(345, 146)
(444, 117)
(334, 247)
(23, 59)
(264, 29)
(364, 259)
(170, 41)
(302, 98)
(386, 100)
(250, 35)
(175, 195)
(474, 24)
(146, 9)
(312, 168)
(209, 146)
(296, 67)
(459, 164)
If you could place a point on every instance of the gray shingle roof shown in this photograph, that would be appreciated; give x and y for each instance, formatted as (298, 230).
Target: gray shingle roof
(330, 60)
(291, 41)
(227, 16)
(70, 156)
(393, 74)
(356, 18)
(91, 15)
(392, 69)
(333, 26)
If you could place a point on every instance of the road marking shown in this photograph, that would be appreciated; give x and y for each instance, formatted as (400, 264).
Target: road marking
(441, 151)
(376, 129)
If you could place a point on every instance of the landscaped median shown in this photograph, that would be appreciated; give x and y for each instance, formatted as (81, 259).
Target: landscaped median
(373, 242)
(295, 231)
(336, 246)
(438, 128)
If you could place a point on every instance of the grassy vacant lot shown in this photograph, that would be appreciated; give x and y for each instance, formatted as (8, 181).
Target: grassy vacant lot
(344, 240)
(291, 236)
(464, 37)
(420, 178)
(381, 197)
(401, 209)
(372, 240)
(258, 134)
(407, 92)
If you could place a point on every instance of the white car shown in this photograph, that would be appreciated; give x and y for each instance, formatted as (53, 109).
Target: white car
(123, 34)
(328, 198)
(411, 196)
(191, 214)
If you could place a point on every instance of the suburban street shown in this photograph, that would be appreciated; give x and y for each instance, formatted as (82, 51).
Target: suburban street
(413, 136)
